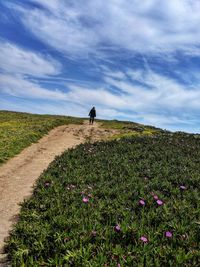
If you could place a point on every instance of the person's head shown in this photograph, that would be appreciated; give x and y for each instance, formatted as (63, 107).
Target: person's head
(93, 108)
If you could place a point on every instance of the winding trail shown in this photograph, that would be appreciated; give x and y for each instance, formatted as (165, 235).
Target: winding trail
(19, 174)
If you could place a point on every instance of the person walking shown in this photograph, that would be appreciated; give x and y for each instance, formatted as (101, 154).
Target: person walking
(92, 115)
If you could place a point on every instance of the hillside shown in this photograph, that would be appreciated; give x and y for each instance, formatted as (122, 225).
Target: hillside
(19, 130)
(128, 202)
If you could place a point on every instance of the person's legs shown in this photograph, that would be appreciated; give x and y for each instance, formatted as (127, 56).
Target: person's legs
(92, 120)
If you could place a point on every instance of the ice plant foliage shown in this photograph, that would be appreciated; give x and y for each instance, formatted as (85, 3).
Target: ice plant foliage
(119, 198)
(89, 187)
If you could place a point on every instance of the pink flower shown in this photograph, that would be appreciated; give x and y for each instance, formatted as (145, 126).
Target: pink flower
(89, 195)
(159, 202)
(85, 200)
(142, 202)
(155, 197)
(168, 234)
(144, 239)
(182, 187)
(118, 265)
(117, 228)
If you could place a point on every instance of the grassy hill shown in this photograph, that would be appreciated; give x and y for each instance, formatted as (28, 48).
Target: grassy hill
(18, 130)
(133, 201)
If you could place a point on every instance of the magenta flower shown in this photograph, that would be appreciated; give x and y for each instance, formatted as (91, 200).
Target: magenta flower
(144, 239)
(182, 187)
(168, 234)
(142, 202)
(159, 202)
(118, 265)
(155, 197)
(85, 200)
(117, 228)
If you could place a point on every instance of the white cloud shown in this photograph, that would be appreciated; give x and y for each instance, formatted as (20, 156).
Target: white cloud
(20, 86)
(157, 93)
(64, 33)
(52, 5)
(150, 106)
(166, 96)
(56, 108)
(115, 74)
(154, 26)
(97, 96)
(162, 120)
(14, 59)
(17, 85)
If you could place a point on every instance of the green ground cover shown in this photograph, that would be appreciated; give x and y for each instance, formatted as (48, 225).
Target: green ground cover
(19, 130)
(128, 129)
(128, 202)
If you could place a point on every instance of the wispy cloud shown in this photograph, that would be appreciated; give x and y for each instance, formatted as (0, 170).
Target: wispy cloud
(99, 96)
(154, 26)
(15, 59)
(157, 92)
(20, 86)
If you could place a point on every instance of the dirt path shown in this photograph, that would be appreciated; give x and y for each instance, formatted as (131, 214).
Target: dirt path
(19, 174)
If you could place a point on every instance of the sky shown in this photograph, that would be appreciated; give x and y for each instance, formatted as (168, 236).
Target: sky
(133, 60)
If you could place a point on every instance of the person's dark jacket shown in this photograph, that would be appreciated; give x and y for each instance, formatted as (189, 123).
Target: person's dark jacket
(92, 113)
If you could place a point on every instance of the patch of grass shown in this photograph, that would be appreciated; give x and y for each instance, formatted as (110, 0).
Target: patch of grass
(115, 124)
(128, 129)
(19, 130)
(86, 209)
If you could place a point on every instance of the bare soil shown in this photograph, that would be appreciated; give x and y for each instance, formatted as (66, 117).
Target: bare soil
(18, 175)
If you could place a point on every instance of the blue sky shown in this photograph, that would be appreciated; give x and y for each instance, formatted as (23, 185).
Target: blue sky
(134, 60)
